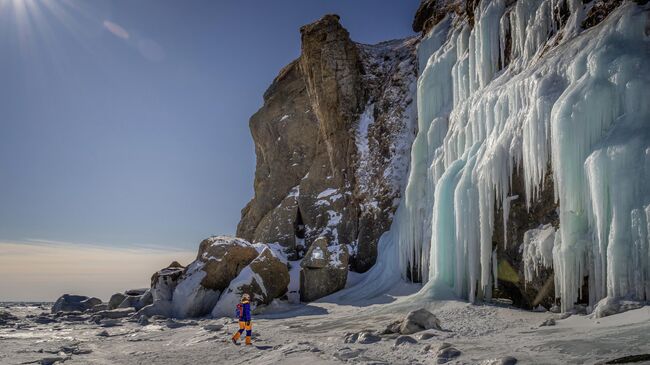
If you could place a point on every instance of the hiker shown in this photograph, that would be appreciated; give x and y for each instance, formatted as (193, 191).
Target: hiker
(244, 314)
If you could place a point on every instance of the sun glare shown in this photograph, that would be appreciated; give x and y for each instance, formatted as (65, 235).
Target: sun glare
(43, 27)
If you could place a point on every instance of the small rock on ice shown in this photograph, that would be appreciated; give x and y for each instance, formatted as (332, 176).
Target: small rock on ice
(548, 322)
(416, 321)
(368, 337)
(508, 360)
(52, 360)
(72, 303)
(425, 336)
(347, 353)
(401, 340)
(540, 308)
(446, 353)
(109, 323)
(213, 327)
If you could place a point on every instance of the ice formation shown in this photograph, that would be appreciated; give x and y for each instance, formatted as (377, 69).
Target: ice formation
(571, 100)
(537, 250)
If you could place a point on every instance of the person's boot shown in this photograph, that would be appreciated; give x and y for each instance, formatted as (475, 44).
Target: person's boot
(248, 341)
(235, 338)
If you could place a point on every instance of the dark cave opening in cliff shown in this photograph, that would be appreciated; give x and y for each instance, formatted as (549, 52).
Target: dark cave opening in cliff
(299, 232)
(299, 226)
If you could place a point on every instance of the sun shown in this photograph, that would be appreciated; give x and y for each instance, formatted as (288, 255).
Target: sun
(39, 13)
(38, 25)
(18, 8)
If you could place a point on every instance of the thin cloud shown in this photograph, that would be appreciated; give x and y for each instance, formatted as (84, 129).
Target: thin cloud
(116, 29)
(132, 246)
(43, 271)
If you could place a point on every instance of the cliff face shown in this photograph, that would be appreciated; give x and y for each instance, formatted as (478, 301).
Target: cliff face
(508, 186)
(285, 132)
(332, 142)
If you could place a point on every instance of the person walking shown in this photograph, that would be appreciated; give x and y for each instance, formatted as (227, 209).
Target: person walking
(244, 314)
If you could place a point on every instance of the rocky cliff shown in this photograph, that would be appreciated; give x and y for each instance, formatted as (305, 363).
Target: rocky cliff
(332, 142)
(520, 107)
(524, 177)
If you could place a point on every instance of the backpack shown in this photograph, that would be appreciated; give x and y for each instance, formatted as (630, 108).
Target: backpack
(239, 311)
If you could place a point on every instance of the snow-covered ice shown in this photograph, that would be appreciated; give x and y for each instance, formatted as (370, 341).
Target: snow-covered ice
(316, 334)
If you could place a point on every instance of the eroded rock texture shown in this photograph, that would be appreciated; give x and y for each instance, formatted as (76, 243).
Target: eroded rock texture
(332, 142)
(324, 270)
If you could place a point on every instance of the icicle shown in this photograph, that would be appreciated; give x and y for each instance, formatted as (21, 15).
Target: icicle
(577, 103)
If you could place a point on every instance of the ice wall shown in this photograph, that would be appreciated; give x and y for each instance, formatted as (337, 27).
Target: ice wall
(571, 99)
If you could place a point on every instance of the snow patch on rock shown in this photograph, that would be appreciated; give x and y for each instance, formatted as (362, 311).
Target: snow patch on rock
(190, 298)
(228, 301)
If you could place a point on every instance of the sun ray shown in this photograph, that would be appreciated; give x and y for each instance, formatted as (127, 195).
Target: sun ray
(23, 25)
(41, 26)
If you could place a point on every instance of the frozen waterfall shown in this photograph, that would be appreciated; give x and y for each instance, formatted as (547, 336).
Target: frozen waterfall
(572, 100)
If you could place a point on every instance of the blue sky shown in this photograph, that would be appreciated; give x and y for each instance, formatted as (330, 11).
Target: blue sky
(125, 123)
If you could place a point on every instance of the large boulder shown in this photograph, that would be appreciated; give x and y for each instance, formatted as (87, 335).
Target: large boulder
(164, 281)
(7, 318)
(274, 274)
(74, 303)
(157, 308)
(116, 300)
(191, 298)
(223, 258)
(324, 270)
(317, 256)
(163, 285)
(220, 259)
(265, 279)
(137, 301)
